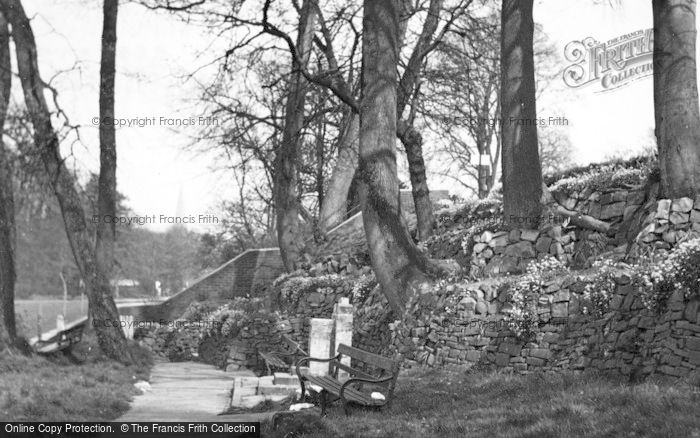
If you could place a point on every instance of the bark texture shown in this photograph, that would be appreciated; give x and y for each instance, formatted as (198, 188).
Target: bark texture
(107, 183)
(676, 111)
(103, 311)
(484, 134)
(397, 262)
(522, 173)
(289, 233)
(334, 206)
(8, 276)
(413, 143)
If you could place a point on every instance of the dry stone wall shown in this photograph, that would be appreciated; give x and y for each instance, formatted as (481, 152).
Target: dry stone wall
(239, 348)
(490, 251)
(466, 324)
(670, 222)
(299, 299)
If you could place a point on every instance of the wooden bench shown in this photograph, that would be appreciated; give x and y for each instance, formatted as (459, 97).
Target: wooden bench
(275, 359)
(63, 340)
(351, 390)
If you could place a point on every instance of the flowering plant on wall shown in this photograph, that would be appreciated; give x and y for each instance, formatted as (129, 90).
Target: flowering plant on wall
(601, 177)
(363, 286)
(600, 288)
(228, 319)
(679, 270)
(292, 289)
(524, 293)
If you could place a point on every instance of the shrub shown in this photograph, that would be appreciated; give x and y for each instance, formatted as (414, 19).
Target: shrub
(607, 176)
(647, 163)
(228, 319)
(292, 289)
(196, 311)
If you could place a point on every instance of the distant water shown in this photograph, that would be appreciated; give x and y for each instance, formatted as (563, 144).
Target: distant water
(43, 312)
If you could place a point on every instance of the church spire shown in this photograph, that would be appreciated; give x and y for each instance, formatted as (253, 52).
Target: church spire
(180, 208)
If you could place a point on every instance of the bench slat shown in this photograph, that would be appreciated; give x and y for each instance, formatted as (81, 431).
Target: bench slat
(353, 371)
(333, 386)
(368, 358)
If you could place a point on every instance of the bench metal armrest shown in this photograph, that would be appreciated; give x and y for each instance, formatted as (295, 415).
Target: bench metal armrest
(314, 359)
(361, 380)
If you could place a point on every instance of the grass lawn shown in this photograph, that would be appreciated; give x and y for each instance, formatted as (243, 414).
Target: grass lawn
(37, 388)
(480, 404)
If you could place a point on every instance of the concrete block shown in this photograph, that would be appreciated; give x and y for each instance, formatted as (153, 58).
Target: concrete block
(266, 380)
(320, 344)
(251, 401)
(285, 379)
(277, 389)
(343, 321)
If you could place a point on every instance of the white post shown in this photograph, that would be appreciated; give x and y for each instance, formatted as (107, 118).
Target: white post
(320, 344)
(127, 323)
(38, 321)
(343, 319)
(60, 323)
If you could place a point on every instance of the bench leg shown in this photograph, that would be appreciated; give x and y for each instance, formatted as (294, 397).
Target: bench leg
(323, 402)
(68, 353)
(302, 397)
(346, 408)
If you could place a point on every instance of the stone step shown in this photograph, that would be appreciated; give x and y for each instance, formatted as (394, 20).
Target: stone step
(242, 388)
(266, 380)
(250, 401)
(285, 379)
(246, 381)
(277, 389)
(242, 391)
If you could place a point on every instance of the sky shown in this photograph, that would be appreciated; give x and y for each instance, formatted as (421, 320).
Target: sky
(155, 51)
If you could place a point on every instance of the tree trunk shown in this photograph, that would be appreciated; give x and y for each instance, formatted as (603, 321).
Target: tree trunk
(410, 137)
(320, 160)
(485, 131)
(8, 331)
(397, 262)
(107, 183)
(411, 75)
(676, 111)
(495, 159)
(289, 236)
(334, 206)
(522, 174)
(413, 142)
(102, 309)
(484, 174)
